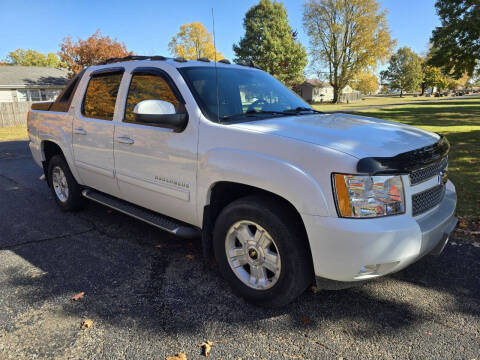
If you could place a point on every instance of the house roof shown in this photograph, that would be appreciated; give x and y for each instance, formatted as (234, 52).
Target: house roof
(25, 76)
(316, 83)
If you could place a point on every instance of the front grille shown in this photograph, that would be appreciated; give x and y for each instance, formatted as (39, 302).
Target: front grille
(425, 200)
(428, 172)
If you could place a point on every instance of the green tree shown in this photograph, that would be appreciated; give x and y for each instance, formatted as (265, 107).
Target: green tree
(31, 57)
(192, 42)
(432, 77)
(270, 42)
(346, 38)
(404, 71)
(456, 42)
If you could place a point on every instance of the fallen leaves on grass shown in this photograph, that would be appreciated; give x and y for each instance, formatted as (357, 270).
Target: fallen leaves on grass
(190, 256)
(468, 227)
(86, 323)
(469, 223)
(78, 296)
(206, 347)
(179, 356)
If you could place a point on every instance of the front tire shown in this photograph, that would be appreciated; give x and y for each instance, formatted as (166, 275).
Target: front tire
(262, 251)
(66, 191)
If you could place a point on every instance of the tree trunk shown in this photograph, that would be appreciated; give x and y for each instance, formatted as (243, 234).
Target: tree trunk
(401, 92)
(336, 94)
(423, 89)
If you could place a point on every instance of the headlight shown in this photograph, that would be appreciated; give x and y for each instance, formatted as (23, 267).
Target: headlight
(368, 196)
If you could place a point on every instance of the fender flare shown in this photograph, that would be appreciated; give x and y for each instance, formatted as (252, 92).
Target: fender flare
(58, 136)
(275, 175)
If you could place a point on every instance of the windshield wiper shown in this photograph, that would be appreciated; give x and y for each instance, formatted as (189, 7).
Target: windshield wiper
(253, 113)
(300, 109)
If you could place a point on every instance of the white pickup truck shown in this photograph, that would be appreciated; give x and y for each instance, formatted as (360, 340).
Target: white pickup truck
(283, 196)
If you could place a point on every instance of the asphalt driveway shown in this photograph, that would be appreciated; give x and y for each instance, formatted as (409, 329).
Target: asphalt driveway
(150, 295)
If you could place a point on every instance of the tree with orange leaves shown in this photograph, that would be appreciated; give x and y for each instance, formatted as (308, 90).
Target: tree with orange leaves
(85, 52)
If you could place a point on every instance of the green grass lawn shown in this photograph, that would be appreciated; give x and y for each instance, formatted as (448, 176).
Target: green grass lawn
(13, 133)
(459, 121)
(376, 101)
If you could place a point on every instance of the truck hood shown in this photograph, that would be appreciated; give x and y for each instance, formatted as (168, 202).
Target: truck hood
(354, 135)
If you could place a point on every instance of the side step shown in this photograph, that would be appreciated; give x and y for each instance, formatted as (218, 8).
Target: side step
(161, 221)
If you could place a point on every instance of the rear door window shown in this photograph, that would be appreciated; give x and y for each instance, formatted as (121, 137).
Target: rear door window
(101, 95)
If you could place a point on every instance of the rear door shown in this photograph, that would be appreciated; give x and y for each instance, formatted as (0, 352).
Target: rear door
(93, 129)
(155, 166)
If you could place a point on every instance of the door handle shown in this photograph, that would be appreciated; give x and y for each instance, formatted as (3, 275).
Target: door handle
(79, 131)
(125, 140)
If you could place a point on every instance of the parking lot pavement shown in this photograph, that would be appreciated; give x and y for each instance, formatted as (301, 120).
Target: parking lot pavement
(150, 295)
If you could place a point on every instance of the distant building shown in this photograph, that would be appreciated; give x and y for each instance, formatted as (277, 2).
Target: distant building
(317, 91)
(31, 83)
(314, 90)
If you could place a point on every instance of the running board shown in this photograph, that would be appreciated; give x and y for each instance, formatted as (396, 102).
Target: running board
(161, 221)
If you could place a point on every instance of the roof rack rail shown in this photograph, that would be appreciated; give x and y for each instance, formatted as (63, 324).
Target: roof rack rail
(249, 63)
(204, 59)
(180, 59)
(133, 57)
(224, 61)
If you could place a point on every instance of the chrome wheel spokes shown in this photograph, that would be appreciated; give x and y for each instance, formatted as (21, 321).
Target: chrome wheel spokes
(253, 255)
(59, 183)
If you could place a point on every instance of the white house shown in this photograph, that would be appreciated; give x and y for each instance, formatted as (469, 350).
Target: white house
(31, 83)
(317, 91)
(314, 90)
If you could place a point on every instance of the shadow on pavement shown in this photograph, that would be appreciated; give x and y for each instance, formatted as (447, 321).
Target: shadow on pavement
(126, 277)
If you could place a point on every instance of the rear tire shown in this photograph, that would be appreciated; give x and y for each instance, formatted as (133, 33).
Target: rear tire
(262, 252)
(66, 191)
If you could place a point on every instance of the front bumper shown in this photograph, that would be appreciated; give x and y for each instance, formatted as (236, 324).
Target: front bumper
(347, 251)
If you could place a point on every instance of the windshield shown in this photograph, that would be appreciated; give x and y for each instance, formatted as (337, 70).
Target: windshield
(242, 93)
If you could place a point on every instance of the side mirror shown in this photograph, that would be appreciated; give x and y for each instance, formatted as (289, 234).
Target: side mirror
(160, 113)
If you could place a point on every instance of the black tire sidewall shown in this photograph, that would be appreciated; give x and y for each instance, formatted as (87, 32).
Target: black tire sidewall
(74, 201)
(296, 271)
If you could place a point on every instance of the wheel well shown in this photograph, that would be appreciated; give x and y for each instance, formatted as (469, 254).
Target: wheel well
(224, 193)
(50, 149)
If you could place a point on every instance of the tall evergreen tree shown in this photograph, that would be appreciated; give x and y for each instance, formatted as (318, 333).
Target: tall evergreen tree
(270, 42)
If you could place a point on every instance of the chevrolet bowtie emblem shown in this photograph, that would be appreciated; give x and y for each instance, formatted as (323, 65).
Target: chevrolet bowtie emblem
(443, 177)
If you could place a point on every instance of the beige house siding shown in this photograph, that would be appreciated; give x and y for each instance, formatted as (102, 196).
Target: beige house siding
(6, 95)
(316, 91)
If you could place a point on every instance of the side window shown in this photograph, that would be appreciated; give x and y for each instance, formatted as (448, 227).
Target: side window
(63, 99)
(149, 87)
(101, 94)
